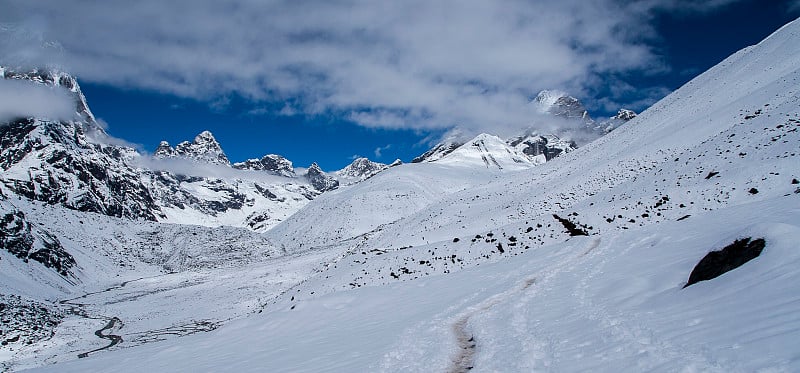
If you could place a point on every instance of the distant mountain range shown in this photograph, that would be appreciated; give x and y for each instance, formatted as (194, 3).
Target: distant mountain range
(75, 164)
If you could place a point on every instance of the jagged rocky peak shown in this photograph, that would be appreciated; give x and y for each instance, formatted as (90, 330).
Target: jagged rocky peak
(56, 162)
(164, 150)
(54, 77)
(562, 105)
(272, 163)
(361, 169)
(320, 180)
(204, 148)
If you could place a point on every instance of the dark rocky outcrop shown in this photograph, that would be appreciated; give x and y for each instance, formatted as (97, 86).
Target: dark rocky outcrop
(319, 180)
(572, 228)
(730, 257)
(550, 146)
(18, 237)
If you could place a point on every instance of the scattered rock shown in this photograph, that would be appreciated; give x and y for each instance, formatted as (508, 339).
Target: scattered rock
(571, 227)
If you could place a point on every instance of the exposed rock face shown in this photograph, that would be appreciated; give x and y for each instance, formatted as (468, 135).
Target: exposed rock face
(26, 322)
(18, 237)
(622, 117)
(733, 256)
(569, 107)
(537, 146)
(625, 115)
(319, 180)
(204, 148)
(164, 150)
(169, 190)
(271, 163)
(57, 163)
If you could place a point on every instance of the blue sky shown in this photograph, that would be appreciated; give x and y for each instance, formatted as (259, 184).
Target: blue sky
(326, 81)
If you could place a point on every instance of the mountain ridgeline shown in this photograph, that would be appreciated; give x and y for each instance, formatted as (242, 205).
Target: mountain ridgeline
(74, 163)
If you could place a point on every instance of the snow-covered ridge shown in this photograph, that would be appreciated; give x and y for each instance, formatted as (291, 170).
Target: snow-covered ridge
(536, 147)
(204, 148)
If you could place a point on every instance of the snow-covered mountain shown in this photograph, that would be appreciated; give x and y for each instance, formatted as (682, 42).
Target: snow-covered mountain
(66, 162)
(204, 148)
(536, 147)
(361, 169)
(487, 151)
(526, 149)
(578, 264)
(77, 165)
(272, 163)
(562, 105)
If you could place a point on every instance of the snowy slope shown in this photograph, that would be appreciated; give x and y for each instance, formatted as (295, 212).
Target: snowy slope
(611, 304)
(359, 209)
(433, 267)
(487, 151)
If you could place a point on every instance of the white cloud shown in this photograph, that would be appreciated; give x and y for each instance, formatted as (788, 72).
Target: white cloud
(379, 150)
(22, 99)
(402, 64)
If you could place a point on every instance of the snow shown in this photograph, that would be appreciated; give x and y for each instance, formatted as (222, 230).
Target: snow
(546, 99)
(487, 151)
(612, 303)
(442, 267)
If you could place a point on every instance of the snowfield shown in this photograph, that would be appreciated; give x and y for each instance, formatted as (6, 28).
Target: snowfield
(614, 303)
(578, 264)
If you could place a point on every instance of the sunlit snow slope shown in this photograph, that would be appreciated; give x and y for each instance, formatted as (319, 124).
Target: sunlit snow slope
(479, 273)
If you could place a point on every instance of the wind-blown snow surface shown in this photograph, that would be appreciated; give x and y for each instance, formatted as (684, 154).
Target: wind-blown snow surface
(485, 257)
(613, 303)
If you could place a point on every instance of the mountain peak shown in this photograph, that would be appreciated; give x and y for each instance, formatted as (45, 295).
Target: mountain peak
(560, 104)
(204, 148)
(56, 78)
(319, 179)
(547, 98)
(272, 163)
(361, 169)
(205, 137)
